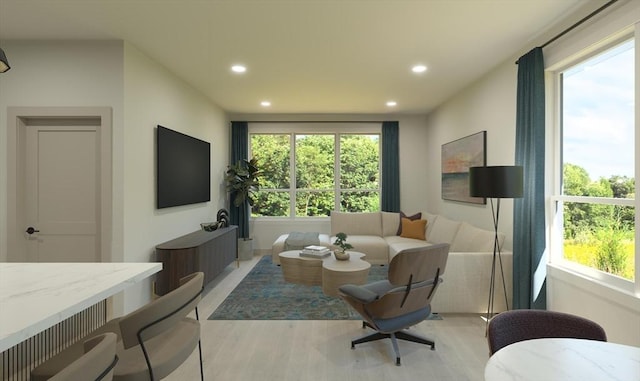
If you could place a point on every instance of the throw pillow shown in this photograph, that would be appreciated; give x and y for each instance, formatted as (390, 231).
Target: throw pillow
(413, 228)
(416, 216)
(443, 230)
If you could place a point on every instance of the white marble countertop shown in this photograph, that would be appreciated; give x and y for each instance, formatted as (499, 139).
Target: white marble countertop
(36, 296)
(564, 359)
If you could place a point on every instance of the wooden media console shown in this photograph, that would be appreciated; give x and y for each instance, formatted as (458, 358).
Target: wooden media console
(209, 252)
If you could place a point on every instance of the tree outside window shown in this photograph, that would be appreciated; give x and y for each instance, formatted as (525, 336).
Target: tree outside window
(307, 175)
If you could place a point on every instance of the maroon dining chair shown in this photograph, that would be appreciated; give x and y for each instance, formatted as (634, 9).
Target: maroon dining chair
(518, 325)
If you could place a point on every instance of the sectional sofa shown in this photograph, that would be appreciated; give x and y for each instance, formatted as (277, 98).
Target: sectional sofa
(466, 281)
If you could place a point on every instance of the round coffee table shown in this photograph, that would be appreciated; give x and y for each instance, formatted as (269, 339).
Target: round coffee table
(336, 273)
(326, 272)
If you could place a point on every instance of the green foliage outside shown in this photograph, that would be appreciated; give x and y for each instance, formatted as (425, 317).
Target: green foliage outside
(359, 173)
(586, 254)
(314, 174)
(315, 156)
(596, 235)
(273, 152)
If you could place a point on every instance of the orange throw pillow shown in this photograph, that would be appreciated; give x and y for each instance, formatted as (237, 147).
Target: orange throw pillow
(414, 217)
(413, 229)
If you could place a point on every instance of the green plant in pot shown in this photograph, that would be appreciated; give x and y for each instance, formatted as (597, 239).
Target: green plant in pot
(341, 242)
(243, 181)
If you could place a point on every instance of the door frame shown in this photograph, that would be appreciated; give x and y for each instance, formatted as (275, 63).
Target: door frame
(18, 119)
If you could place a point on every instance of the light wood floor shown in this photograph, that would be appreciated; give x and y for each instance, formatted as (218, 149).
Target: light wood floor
(320, 350)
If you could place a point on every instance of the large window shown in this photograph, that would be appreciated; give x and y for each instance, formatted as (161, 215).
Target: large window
(308, 174)
(595, 205)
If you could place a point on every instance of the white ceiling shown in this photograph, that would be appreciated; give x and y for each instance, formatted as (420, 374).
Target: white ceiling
(305, 56)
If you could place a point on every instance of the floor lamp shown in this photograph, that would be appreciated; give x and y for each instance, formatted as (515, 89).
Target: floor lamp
(495, 182)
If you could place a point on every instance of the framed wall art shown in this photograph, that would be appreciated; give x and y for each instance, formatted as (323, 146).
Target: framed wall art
(457, 157)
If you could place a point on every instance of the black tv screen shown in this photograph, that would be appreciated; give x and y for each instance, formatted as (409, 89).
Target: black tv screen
(183, 169)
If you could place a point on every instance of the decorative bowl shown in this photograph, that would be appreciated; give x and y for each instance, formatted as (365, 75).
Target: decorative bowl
(209, 226)
(341, 255)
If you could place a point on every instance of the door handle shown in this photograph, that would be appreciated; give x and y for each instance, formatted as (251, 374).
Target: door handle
(30, 230)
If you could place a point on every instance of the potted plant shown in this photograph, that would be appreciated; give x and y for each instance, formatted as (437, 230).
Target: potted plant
(243, 180)
(341, 242)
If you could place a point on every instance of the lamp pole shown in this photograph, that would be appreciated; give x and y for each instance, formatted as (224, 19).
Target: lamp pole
(496, 249)
(496, 182)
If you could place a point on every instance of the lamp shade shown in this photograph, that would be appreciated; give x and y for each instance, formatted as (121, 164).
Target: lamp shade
(4, 63)
(496, 181)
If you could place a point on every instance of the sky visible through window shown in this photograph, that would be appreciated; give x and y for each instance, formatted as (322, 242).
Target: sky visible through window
(598, 113)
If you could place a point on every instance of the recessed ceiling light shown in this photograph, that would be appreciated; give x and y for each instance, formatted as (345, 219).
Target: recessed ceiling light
(392, 103)
(265, 103)
(419, 69)
(238, 68)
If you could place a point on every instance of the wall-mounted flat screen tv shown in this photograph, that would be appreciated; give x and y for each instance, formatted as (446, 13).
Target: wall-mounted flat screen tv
(183, 170)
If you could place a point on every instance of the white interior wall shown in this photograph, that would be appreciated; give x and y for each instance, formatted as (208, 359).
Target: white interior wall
(415, 150)
(617, 311)
(487, 105)
(59, 74)
(153, 96)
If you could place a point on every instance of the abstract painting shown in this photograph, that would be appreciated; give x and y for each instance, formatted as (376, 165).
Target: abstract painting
(457, 157)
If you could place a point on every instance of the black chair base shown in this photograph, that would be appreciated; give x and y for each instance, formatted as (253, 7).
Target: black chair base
(395, 336)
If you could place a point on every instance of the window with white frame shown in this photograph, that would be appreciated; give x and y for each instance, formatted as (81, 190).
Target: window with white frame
(308, 174)
(595, 204)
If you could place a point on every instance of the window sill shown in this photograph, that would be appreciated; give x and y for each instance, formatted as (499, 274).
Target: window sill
(597, 288)
(289, 219)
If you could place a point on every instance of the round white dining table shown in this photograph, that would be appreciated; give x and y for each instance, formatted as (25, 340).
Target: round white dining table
(564, 359)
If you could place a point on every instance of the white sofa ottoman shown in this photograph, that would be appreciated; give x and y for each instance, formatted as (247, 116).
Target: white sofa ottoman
(280, 245)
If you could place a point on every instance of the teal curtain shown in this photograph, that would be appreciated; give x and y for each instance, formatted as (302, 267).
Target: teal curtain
(390, 186)
(529, 265)
(239, 150)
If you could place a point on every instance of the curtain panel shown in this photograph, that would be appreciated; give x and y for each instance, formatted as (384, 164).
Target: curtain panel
(529, 266)
(239, 150)
(390, 185)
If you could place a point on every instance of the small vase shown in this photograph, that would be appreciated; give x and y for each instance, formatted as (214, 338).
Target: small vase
(341, 255)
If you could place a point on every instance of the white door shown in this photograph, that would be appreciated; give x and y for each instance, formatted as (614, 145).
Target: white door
(61, 199)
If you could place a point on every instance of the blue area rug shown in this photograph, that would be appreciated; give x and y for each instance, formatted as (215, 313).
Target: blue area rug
(264, 295)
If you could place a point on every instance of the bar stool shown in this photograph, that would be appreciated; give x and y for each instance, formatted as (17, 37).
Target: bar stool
(153, 341)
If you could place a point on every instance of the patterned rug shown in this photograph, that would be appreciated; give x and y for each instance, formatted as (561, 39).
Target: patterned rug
(264, 295)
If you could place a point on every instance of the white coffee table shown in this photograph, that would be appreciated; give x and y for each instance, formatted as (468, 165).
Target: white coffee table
(326, 272)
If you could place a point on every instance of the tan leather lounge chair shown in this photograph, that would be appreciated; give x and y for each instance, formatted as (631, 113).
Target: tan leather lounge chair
(403, 300)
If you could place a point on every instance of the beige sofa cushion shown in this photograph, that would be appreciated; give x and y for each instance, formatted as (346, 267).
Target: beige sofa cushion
(431, 220)
(390, 222)
(279, 245)
(397, 244)
(466, 284)
(443, 231)
(356, 224)
(472, 239)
